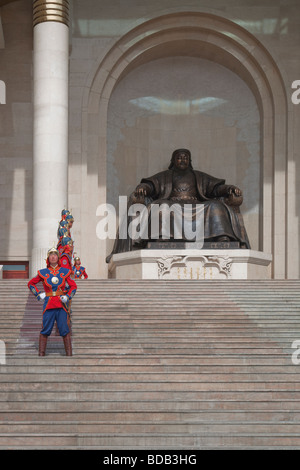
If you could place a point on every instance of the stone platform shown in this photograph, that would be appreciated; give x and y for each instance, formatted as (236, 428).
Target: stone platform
(191, 264)
(182, 245)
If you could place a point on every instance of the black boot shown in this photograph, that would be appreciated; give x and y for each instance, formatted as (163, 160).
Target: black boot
(68, 344)
(42, 344)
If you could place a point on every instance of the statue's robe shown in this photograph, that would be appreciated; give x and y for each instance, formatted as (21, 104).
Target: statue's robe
(163, 185)
(219, 218)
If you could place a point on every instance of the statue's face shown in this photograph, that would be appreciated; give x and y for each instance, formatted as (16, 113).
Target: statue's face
(182, 161)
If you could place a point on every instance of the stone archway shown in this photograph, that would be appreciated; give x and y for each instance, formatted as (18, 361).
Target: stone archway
(222, 41)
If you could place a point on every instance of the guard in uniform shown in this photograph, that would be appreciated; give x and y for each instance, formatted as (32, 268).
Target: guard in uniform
(70, 220)
(59, 290)
(64, 214)
(78, 270)
(65, 249)
(62, 231)
(65, 243)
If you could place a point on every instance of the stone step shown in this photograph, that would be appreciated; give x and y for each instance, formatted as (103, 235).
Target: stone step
(142, 350)
(151, 323)
(131, 348)
(104, 362)
(166, 361)
(196, 386)
(142, 401)
(56, 351)
(180, 305)
(189, 331)
(125, 417)
(164, 282)
(150, 441)
(201, 304)
(148, 377)
(234, 342)
(165, 428)
(170, 364)
(145, 374)
(211, 332)
(138, 402)
(177, 399)
(161, 324)
(269, 390)
(177, 313)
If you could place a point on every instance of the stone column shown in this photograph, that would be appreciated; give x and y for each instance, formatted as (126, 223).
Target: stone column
(50, 128)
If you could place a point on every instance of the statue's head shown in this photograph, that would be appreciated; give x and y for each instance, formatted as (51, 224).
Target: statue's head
(178, 154)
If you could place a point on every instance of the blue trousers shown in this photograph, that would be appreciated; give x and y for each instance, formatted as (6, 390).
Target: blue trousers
(61, 317)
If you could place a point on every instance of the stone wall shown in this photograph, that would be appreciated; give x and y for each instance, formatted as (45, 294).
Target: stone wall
(16, 132)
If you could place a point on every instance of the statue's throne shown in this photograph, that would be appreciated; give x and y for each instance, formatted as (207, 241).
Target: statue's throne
(184, 260)
(233, 201)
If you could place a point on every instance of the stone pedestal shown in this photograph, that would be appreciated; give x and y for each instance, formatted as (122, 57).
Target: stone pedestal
(191, 264)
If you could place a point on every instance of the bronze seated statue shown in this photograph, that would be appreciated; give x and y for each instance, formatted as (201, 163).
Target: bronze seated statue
(181, 184)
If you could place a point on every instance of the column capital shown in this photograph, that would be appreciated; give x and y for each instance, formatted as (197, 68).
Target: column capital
(50, 10)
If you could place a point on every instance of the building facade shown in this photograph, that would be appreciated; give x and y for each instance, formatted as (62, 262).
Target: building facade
(98, 94)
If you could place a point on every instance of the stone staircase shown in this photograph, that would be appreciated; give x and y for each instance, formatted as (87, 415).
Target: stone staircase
(156, 365)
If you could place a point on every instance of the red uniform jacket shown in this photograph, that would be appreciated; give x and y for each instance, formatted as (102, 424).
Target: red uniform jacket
(56, 282)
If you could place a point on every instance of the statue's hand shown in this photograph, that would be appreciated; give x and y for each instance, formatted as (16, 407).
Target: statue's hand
(138, 195)
(234, 196)
(141, 191)
(234, 190)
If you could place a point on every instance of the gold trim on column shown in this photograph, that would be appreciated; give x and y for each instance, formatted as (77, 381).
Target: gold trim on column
(50, 10)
